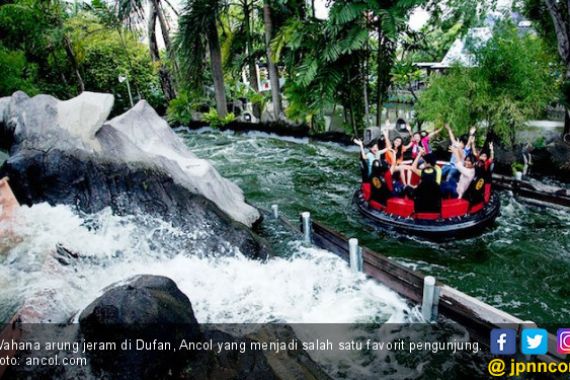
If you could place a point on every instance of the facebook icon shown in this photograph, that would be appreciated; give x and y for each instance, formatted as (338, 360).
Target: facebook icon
(503, 341)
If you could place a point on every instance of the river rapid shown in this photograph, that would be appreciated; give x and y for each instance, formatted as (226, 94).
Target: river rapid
(520, 266)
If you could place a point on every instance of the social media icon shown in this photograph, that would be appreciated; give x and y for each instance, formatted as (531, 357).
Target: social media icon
(563, 341)
(503, 341)
(534, 341)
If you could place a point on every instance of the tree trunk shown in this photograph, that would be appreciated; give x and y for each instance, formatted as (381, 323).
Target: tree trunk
(561, 21)
(385, 60)
(73, 62)
(273, 74)
(252, 69)
(365, 94)
(217, 72)
(163, 74)
(365, 79)
(566, 132)
(163, 25)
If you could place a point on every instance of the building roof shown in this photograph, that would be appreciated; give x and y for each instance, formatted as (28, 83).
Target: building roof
(460, 52)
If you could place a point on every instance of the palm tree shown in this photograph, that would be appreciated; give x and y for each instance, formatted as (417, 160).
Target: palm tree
(325, 61)
(273, 74)
(165, 78)
(243, 43)
(248, 26)
(391, 19)
(134, 9)
(197, 32)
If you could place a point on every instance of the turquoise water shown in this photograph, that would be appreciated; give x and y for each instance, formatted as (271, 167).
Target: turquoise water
(522, 265)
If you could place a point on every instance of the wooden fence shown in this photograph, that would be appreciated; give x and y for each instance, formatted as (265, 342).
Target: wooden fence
(476, 316)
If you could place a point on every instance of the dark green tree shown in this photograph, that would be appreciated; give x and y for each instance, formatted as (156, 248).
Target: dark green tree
(553, 20)
(198, 33)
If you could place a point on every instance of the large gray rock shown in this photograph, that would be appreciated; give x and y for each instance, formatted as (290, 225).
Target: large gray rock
(152, 135)
(134, 164)
(138, 137)
(140, 301)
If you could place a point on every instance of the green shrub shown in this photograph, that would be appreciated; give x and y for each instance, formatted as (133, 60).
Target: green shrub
(539, 143)
(215, 121)
(179, 111)
(517, 167)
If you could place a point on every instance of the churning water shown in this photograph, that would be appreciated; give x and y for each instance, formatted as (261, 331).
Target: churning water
(303, 285)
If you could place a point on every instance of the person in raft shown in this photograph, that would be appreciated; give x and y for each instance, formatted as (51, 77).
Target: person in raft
(421, 140)
(465, 165)
(396, 147)
(484, 157)
(464, 143)
(373, 153)
(427, 196)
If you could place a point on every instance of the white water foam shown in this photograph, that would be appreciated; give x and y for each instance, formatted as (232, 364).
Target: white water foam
(310, 286)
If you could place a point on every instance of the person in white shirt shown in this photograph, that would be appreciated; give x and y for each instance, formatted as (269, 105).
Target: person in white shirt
(465, 166)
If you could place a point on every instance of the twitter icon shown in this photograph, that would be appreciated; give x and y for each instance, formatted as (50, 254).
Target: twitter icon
(534, 341)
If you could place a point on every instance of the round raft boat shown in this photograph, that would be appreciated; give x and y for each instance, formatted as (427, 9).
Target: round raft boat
(458, 218)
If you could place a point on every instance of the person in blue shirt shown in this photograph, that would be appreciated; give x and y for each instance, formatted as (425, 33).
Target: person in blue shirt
(464, 143)
(372, 155)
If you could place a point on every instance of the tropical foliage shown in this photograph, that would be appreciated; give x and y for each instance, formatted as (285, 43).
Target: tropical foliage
(60, 49)
(274, 58)
(511, 82)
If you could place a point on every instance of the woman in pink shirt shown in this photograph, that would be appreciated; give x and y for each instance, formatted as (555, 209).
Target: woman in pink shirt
(421, 140)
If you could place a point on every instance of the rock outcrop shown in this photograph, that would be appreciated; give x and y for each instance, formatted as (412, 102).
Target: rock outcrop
(138, 137)
(146, 311)
(66, 153)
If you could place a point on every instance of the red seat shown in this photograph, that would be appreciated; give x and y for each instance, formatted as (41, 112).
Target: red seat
(487, 192)
(414, 180)
(451, 208)
(400, 207)
(376, 205)
(427, 215)
(366, 190)
(476, 208)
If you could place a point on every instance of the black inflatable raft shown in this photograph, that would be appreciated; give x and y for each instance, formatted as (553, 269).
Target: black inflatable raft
(457, 220)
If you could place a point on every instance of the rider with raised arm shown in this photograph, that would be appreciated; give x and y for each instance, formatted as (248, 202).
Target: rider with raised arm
(464, 144)
(465, 166)
(373, 153)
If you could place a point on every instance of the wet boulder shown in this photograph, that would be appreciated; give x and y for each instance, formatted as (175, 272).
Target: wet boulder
(145, 318)
(65, 152)
(138, 137)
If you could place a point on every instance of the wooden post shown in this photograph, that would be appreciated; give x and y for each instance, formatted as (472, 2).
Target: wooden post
(275, 210)
(355, 254)
(306, 217)
(435, 307)
(428, 298)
